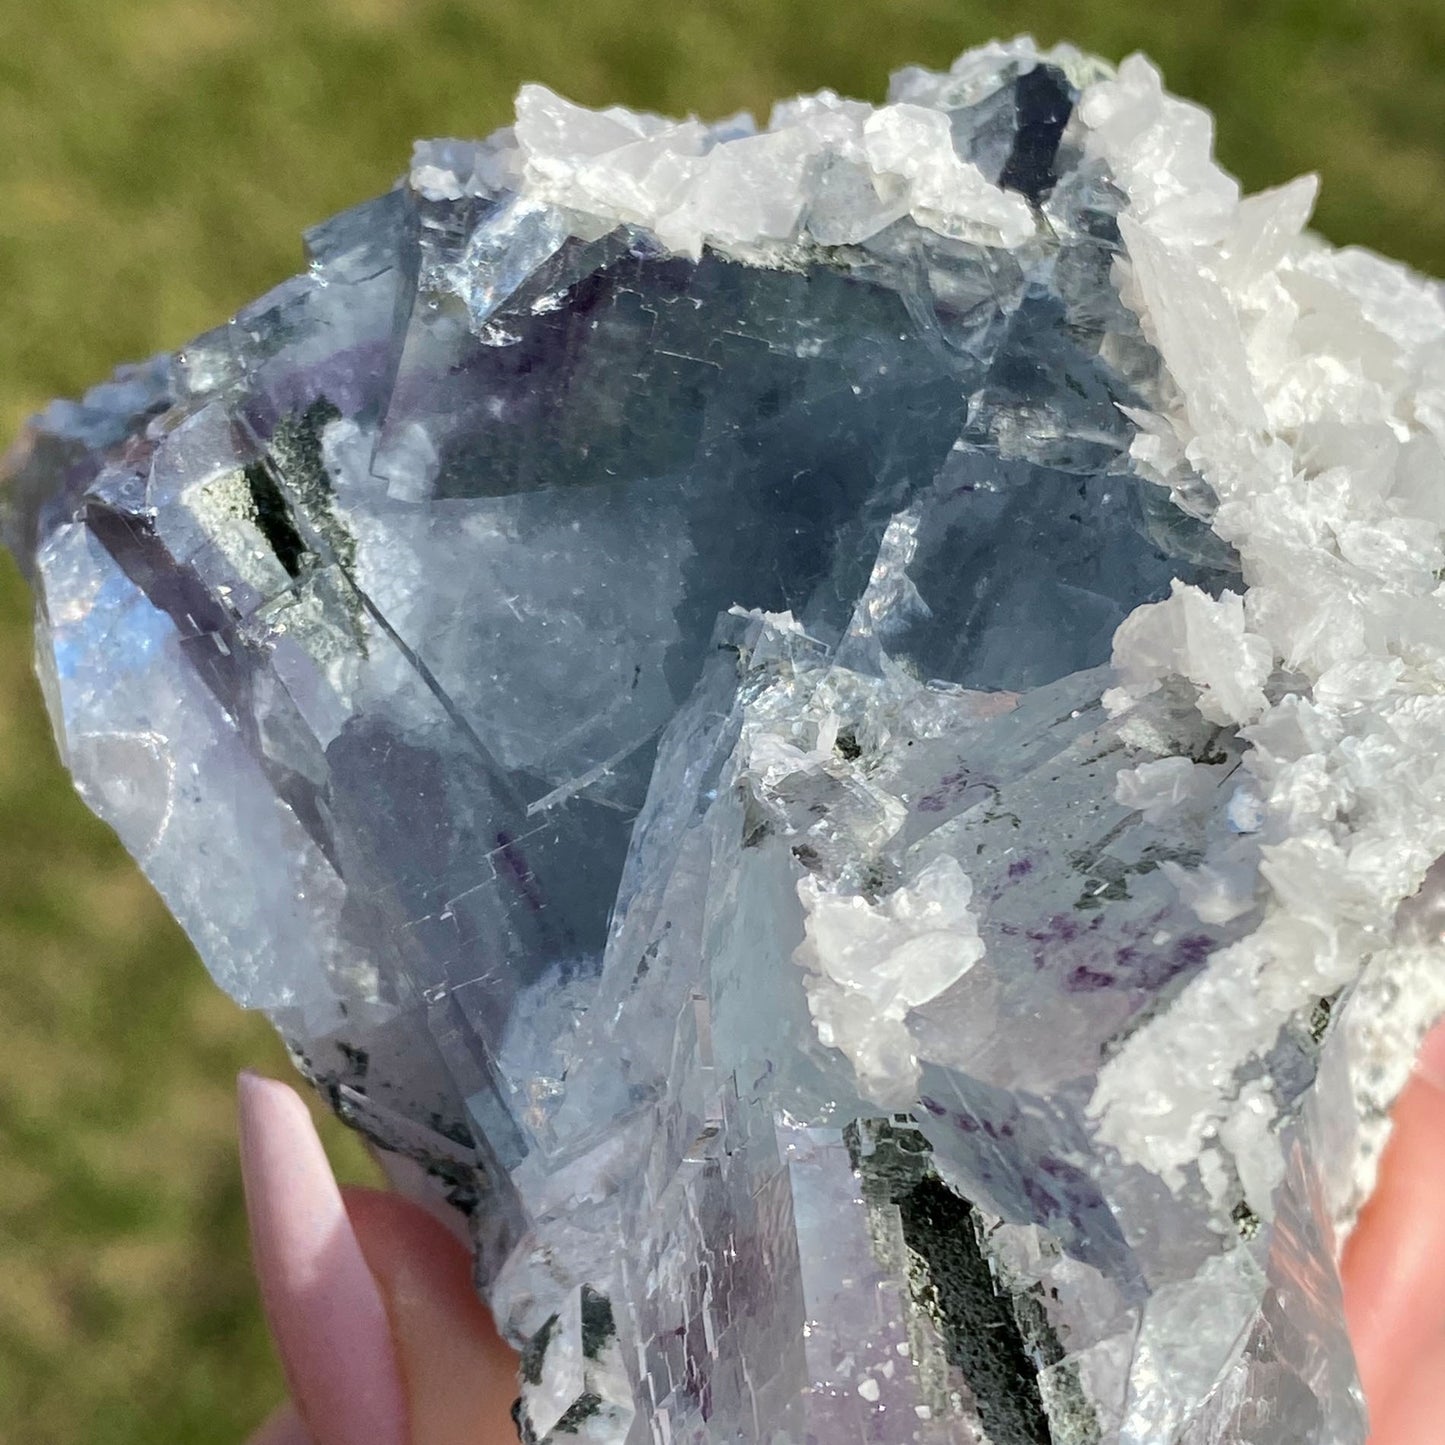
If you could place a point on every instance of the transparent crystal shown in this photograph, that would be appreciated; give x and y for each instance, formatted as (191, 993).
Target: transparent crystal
(823, 729)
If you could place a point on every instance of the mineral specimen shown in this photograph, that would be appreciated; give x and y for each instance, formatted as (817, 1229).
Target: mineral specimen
(837, 733)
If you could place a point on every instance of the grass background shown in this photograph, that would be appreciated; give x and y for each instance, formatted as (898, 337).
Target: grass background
(157, 160)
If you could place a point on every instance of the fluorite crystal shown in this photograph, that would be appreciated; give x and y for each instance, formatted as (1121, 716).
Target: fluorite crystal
(835, 733)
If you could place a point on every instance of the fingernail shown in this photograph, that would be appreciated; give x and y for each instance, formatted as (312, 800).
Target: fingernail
(321, 1300)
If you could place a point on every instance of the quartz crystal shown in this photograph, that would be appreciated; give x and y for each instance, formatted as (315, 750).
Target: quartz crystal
(833, 732)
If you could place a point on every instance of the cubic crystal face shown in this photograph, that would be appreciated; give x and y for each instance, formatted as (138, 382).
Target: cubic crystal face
(835, 733)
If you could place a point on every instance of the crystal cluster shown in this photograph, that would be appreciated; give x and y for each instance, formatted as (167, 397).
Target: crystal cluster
(835, 732)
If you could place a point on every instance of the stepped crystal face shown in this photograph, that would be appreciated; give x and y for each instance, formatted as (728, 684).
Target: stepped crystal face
(835, 732)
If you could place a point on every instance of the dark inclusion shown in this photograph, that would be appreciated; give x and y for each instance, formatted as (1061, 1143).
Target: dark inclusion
(1016, 135)
(1043, 101)
(599, 1329)
(274, 519)
(295, 456)
(997, 1344)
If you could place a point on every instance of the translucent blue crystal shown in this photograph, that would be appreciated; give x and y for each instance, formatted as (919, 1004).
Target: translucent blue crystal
(435, 634)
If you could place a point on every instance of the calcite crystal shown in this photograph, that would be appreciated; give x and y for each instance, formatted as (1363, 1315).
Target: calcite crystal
(836, 733)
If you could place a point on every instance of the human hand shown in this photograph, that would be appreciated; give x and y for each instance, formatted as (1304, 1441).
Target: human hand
(1394, 1268)
(385, 1343)
(370, 1300)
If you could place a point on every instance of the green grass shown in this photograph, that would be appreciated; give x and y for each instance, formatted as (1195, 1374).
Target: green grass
(157, 160)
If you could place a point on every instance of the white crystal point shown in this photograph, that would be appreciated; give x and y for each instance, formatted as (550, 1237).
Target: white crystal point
(834, 731)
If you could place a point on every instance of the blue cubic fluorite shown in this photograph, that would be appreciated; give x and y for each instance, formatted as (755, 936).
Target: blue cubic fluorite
(633, 695)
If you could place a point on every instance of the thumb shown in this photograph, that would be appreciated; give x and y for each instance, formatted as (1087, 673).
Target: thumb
(369, 1299)
(326, 1313)
(1394, 1262)
(460, 1378)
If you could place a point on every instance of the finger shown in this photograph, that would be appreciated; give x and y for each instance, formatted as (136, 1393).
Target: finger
(1394, 1264)
(460, 1378)
(323, 1306)
(282, 1427)
(1416, 1413)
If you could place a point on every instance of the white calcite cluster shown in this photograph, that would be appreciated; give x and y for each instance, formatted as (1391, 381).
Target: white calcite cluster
(1311, 401)
(833, 732)
(825, 170)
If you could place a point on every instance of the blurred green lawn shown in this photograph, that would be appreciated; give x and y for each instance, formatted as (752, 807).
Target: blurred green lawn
(157, 160)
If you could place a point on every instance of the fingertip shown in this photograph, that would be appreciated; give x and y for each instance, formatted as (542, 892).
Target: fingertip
(323, 1305)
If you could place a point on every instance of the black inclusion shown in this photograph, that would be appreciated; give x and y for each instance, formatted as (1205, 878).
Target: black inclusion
(1043, 102)
(273, 517)
(980, 1331)
(981, 1336)
(598, 1326)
